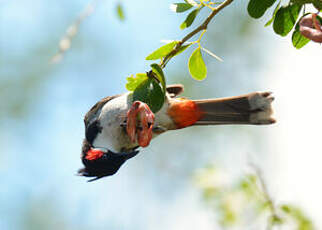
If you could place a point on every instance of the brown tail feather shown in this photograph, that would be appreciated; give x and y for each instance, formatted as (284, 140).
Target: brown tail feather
(254, 108)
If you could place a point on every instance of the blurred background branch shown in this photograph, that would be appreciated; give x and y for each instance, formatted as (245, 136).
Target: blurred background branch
(71, 32)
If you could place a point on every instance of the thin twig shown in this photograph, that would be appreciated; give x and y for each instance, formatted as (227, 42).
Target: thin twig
(203, 26)
(72, 30)
(266, 194)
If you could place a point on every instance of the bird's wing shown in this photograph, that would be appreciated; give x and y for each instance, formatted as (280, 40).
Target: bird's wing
(175, 90)
(90, 114)
(92, 126)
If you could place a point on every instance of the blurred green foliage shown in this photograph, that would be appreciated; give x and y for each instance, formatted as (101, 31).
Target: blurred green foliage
(239, 203)
(21, 81)
(120, 12)
(40, 214)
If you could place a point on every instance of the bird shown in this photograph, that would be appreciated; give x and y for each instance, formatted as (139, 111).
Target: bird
(116, 126)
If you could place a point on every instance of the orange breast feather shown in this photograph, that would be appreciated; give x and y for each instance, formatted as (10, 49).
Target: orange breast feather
(184, 112)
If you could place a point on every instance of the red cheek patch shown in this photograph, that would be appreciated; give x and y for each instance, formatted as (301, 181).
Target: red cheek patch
(94, 154)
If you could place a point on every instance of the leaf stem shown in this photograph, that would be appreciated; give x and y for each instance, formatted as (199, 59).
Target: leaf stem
(203, 2)
(203, 26)
(202, 33)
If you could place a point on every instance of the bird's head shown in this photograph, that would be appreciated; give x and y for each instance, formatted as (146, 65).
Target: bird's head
(101, 162)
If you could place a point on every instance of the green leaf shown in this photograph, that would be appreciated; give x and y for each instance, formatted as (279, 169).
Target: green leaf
(197, 67)
(189, 20)
(249, 185)
(183, 48)
(209, 193)
(150, 92)
(191, 2)
(303, 222)
(274, 13)
(162, 51)
(298, 39)
(257, 8)
(134, 82)
(276, 220)
(285, 18)
(229, 215)
(180, 7)
(120, 11)
(286, 208)
(156, 69)
(319, 18)
(318, 5)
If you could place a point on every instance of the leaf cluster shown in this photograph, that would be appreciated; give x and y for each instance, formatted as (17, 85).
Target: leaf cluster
(285, 17)
(196, 64)
(149, 87)
(186, 6)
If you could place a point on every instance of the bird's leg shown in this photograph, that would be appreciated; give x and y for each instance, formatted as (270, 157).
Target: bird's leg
(140, 112)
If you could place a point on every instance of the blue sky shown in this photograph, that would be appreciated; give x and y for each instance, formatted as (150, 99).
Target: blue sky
(41, 148)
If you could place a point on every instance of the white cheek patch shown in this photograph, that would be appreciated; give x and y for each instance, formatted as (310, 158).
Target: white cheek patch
(112, 115)
(162, 119)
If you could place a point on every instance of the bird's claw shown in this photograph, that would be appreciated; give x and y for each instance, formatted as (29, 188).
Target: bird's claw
(140, 113)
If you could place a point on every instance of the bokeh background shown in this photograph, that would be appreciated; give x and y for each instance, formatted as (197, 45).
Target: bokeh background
(42, 107)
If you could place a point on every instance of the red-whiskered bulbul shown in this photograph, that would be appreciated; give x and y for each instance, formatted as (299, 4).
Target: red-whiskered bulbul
(116, 126)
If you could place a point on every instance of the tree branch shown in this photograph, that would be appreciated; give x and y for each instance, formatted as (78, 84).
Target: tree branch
(203, 26)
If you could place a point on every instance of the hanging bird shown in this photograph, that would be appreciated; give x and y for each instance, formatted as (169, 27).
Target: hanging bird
(116, 126)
